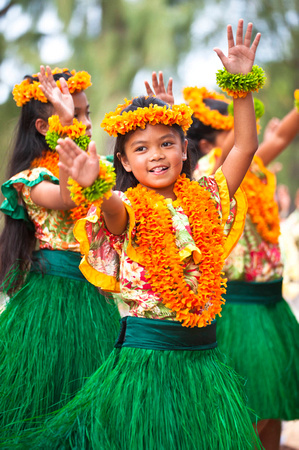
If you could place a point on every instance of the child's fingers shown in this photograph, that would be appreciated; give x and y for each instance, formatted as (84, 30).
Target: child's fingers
(148, 88)
(64, 86)
(161, 82)
(92, 150)
(169, 86)
(239, 34)
(230, 37)
(64, 168)
(248, 34)
(255, 43)
(220, 54)
(68, 147)
(155, 82)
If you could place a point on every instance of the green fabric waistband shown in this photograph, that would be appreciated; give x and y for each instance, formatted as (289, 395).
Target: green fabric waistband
(264, 293)
(57, 262)
(153, 334)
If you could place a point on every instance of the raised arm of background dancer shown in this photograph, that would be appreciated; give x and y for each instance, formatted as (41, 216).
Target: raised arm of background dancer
(226, 147)
(286, 131)
(159, 88)
(84, 168)
(240, 59)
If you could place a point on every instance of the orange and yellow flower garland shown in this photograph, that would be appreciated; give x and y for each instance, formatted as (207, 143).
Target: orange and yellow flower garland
(160, 255)
(262, 207)
(29, 89)
(118, 122)
(195, 97)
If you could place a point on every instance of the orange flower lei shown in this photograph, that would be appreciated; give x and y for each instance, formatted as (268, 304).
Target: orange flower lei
(49, 160)
(27, 89)
(117, 122)
(165, 268)
(262, 207)
(195, 96)
(73, 131)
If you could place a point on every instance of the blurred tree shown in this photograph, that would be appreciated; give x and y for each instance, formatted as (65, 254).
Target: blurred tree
(110, 39)
(114, 40)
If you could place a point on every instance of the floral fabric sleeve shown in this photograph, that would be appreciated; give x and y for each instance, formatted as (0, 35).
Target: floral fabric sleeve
(13, 191)
(101, 249)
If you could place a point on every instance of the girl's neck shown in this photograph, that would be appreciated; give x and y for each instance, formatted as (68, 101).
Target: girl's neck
(164, 192)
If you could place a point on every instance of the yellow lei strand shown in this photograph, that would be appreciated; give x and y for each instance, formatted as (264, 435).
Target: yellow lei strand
(165, 268)
(262, 207)
(49, 160)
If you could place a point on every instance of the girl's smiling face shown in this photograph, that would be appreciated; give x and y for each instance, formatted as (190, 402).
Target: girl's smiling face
(155, 155)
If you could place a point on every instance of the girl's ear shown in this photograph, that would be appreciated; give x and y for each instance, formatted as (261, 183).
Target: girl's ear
(125, 163)
(42, 126)
(185, 150)
(205, 146)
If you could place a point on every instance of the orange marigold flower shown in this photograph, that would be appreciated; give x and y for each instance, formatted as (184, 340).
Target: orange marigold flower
(116, 123)
(27, 90)
(262, 207)
(195, 97)
(165, 271)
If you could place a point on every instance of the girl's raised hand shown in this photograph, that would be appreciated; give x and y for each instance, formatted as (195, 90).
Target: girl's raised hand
(241, 54)
(159, 88)
(62, 100)
(83, 167)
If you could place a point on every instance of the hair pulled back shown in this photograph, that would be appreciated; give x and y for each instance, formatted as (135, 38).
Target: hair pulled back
(199, 131)
(17, 240)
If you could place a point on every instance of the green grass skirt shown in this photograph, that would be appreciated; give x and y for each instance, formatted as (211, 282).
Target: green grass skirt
(143, 399)
(261, 341)
(54, 333)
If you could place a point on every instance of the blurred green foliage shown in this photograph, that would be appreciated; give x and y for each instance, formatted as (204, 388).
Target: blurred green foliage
(114, 39)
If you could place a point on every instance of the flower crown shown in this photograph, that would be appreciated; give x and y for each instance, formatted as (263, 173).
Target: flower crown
(195, 97)
(121, 122)
(28, 89)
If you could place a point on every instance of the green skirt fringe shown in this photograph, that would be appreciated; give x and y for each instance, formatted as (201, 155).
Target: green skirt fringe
(54, 333)
(143, 399)
(261, 342)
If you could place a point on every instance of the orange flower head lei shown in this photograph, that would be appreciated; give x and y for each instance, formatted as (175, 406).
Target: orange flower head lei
(121, 122)
(195, 97)
(29, 88)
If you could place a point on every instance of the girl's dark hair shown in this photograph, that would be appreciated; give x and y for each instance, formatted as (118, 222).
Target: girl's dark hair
(17, 240)
(199, 131)
(124, 179)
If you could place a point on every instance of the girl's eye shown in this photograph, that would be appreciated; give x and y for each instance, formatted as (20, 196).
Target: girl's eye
(140, 149)
(166, 144)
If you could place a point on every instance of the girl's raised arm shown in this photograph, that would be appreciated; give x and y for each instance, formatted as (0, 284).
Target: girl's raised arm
(84, 168)
(240, 60)
(285, 132)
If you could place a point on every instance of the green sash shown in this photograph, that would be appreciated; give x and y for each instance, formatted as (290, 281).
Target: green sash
(57, 262)
(264, 293)
(153, 334)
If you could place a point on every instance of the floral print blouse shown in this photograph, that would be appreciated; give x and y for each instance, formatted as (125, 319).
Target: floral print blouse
(253, 258)
(53, 228)
(110, 261)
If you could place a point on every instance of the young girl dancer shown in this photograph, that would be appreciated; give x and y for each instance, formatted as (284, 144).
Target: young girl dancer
(165, 385)
(257, 329)
(56, 328)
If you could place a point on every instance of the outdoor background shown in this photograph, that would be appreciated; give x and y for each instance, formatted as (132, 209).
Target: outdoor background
(120, 42)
